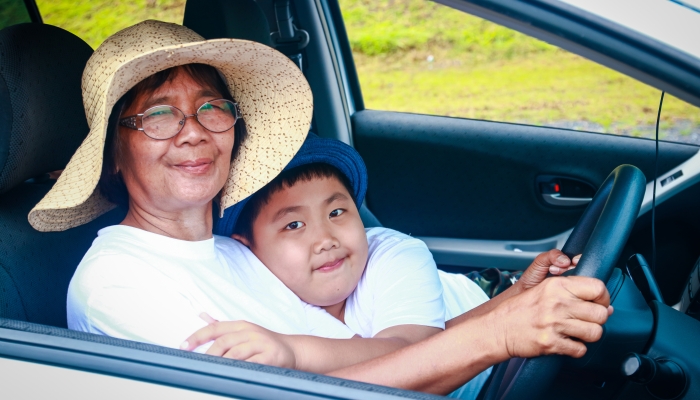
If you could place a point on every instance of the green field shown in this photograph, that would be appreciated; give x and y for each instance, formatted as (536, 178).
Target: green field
(423, 57)
(418, 56)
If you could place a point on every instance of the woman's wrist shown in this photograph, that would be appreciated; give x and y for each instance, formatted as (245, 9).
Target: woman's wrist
(496, 332)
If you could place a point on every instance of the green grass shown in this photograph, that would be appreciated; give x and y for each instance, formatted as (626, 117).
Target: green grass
(386, 27)
(485, 71)
(95, 20)
(539, 89)
(479, 69)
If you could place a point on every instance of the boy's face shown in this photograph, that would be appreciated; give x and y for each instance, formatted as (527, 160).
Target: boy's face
(312, 238)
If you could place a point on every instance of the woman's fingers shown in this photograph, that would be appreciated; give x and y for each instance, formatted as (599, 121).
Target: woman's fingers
(588, 289)
(589, 312)
(575, 260)
(553, 261)
(555, 270)
(546, 319)
(585, 331)
(572, 348)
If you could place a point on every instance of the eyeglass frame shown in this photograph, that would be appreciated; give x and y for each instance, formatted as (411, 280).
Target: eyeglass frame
(130, 121)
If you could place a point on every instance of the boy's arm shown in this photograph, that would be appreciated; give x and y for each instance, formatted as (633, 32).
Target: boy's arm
(245, 341)
(321, 355)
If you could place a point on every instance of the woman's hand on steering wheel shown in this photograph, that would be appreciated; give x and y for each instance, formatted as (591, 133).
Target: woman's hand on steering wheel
(243, 340)
(550, 317)
(553, 262)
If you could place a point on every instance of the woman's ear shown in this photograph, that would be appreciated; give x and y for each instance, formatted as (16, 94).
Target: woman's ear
(241, 239)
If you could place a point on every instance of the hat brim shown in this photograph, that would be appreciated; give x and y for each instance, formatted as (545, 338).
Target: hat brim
(273, 95)
(314, 150)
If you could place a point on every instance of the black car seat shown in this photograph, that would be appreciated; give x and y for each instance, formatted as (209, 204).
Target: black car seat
(240, 19)
(42, 123)
(237, 19)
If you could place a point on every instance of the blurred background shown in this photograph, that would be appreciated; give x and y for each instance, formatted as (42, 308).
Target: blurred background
(423, 57)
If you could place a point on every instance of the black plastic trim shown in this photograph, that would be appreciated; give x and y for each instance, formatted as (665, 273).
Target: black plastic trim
(33, 11)
(343, 43)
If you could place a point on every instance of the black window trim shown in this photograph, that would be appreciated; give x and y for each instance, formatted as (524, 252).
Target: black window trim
(33, 11)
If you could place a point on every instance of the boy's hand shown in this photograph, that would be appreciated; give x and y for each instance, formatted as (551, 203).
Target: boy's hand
(243, 341)
(554, 262)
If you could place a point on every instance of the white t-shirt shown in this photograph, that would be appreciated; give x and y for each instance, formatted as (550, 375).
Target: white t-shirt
(401, 285)
(146, 287)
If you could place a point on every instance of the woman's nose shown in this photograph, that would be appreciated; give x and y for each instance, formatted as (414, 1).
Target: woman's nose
(192, 132)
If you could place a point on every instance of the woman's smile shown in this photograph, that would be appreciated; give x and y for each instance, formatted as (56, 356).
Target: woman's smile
(199, 166)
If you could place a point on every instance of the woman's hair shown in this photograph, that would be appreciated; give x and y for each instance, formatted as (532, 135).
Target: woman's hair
(111, 183)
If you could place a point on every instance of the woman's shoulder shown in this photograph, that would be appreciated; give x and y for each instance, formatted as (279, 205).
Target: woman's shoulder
(114, 255)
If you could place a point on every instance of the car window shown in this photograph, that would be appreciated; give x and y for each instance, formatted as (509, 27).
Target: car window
(422, 57)
(13, 12)
(93, 21)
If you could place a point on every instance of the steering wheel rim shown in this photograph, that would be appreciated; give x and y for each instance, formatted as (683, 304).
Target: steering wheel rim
(600, 236)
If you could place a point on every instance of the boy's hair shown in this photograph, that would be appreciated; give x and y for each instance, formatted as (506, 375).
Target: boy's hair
(286, 179)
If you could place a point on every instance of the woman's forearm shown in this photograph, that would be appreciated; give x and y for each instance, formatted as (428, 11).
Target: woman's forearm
(432, 365)
(486, 307)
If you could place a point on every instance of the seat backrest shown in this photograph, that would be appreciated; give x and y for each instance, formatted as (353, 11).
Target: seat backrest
(237, 19)
(42, 123)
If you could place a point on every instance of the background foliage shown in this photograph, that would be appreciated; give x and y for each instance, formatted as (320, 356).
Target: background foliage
(419, 56)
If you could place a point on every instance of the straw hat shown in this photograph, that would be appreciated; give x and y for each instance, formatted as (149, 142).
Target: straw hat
(273, 95)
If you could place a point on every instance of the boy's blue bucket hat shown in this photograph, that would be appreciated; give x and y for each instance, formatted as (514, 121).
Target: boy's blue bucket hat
(314, 150)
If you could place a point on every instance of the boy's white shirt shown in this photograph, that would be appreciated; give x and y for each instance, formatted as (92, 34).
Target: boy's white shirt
(401, 285)
(141, 286)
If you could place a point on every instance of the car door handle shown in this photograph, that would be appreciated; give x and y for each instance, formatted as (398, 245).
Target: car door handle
(564, 191)
(556, 199)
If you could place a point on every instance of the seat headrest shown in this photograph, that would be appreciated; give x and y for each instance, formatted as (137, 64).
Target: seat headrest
(236, 19)
(42, 120)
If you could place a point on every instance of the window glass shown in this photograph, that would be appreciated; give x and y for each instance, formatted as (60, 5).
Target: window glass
(95, 20)
(13, 12)
(422, 57)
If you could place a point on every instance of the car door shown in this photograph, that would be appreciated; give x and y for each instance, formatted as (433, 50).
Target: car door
(482, 180)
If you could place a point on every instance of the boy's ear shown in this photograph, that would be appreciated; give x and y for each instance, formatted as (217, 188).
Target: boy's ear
(241, 239)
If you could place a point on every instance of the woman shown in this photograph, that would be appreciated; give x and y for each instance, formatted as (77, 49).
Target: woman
(168, 155)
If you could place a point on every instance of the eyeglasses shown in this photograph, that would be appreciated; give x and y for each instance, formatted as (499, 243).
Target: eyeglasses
(164, 122)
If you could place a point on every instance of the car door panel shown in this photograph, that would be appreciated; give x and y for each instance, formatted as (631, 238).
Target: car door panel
(459, 178)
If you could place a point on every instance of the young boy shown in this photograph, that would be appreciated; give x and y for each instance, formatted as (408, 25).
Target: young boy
(306, 229)
(379, 284)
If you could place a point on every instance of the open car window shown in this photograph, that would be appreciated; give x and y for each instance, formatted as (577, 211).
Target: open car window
(421, 57)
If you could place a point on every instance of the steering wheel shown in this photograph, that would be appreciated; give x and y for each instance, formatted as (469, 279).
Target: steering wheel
(599, 236)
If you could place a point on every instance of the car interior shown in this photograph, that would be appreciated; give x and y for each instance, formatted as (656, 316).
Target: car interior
(476, 191)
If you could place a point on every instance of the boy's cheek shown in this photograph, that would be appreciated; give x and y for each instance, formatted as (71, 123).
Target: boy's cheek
(288, 263)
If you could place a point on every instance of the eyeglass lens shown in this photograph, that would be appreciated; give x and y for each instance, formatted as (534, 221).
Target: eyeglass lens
(164, 122)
